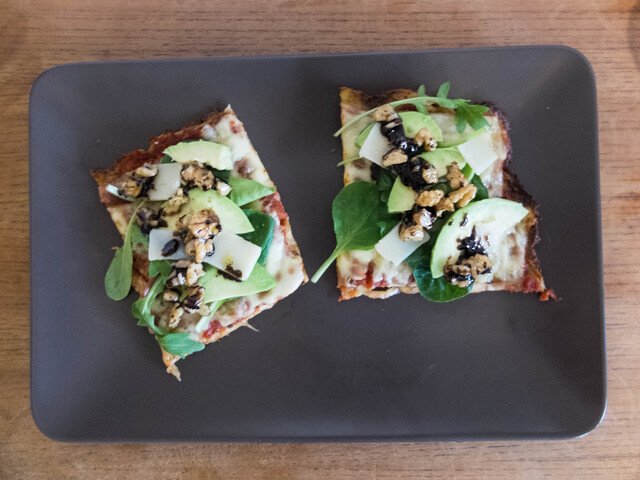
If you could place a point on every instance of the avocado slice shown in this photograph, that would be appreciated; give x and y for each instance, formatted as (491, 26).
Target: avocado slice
(218, 287)
(440, 158)
(412, 122)
(231, 216)
(213, 154)
(491, 218)
(401, 197)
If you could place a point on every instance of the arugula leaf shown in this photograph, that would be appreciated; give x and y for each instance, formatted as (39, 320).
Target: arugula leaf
(141, 308)
(159, 267)
(244, 191)
(117, 281)
(421, 107)
(179, 344)
(167, 159)
(262, 235)
(138, 238)
(471, 114)
(357, 212)
(482, 192)
(443, 90)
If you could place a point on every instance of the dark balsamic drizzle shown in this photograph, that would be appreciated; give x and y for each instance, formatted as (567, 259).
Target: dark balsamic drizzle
(170, 247)
(464, 221)
(470, 246)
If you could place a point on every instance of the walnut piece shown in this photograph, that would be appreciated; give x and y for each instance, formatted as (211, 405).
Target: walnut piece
(430, 198)
(384, 113)
(204, 224)
(410, 231)
(424, 137)
(199, 248)
(430, 174)
(455, 177)
(147, 170)
(444, 205)
(194, 272)
(464, 272)
(222, 188)
(175, 202)
(176, 313)
(193, 301)
(394, 157)
(463, 195)
(424, 218)
(195, 175)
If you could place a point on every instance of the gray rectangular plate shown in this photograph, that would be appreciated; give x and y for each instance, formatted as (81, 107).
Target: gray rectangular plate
(490, 366)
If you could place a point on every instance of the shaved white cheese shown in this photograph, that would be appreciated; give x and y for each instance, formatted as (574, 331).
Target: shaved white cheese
(166, 182)
(479, 152)
(158, 238)
(233, 253)
(375, 146)
(394, 249)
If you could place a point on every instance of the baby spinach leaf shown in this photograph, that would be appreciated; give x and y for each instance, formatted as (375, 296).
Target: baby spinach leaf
(482, 192)
(262, 235)
(179, 344)
(244, 191)
(159, 267)
(357, 212)
(223, 175)
(167, 159)
(141, 308)
(384, 181)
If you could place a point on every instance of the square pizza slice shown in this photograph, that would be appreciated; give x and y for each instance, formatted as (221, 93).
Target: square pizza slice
(207, 243)
(442, 214)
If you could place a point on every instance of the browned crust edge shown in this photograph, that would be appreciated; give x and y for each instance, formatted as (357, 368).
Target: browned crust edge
(532, 280)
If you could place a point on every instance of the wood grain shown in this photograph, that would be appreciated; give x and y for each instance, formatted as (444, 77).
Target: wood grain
(35, 35)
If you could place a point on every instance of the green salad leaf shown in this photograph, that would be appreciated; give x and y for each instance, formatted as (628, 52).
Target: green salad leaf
(179, 344)
(384, 182)
(421, 93)
(443, 90)
(167, 159)
(159, 267)
(245, 191)
(471, 114)
(358, 214)
(117, 281)
(141, 308)
(482, 192)
(262, 235)
(138, 238)
(223, 175)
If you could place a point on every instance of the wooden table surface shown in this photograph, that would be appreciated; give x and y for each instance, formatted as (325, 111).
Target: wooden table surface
(35, 35)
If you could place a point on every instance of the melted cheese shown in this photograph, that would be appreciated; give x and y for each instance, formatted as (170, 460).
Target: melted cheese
(285, 266)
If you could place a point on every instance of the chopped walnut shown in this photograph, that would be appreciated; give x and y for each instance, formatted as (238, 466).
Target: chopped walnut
(170, 296)
(175, 202)
(202, 249)
(410, 231)
(394, 157)
(204, 310)
(430, 174)
(147, 170)
(176, 313)
(194, 272)
(147, 220)
(463, 195)
(198, 176)
(130, 185)
(177, 276)
(455, 177)
(424, 137)
(384, 113)
(423, 217)
(193, 299)
(464, 272)
(430, 198)
(444, 205)
(204, 224)
(222, 188)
